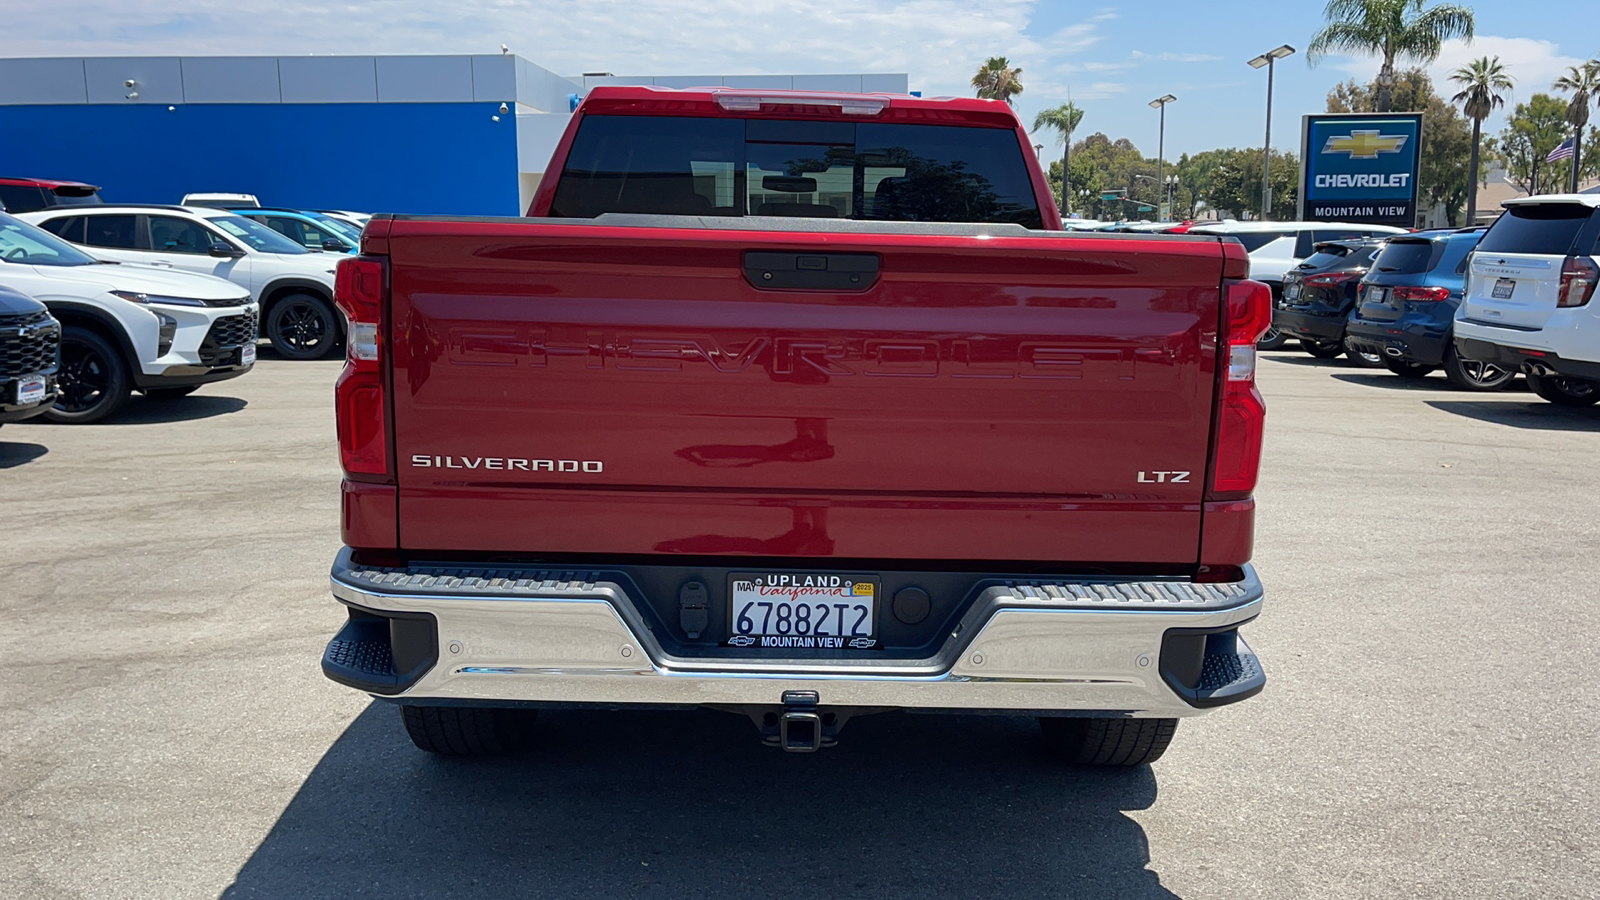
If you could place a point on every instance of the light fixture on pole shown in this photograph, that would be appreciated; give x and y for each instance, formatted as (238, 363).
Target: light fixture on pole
(1161, 142)
(1267, 59)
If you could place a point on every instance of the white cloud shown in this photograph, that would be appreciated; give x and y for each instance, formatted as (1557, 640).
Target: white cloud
(1174, 57)
(1532, 63)
(939, 42)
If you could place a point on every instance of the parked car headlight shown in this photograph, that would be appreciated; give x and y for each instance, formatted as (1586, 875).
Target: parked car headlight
(135, 297)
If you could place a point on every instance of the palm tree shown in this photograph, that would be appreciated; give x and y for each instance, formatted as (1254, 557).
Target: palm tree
(1064, 119)
(1583, 83)
(1481, 81)
(1392, 29)
(996, 80)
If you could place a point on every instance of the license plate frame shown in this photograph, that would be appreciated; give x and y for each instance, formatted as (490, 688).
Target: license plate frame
(840, 610)
(247, 355)
(1377, 294)
(31, 389)
(1503, 288)
(1291, 291)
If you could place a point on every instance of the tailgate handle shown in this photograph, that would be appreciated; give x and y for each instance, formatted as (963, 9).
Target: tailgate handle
(837, 272)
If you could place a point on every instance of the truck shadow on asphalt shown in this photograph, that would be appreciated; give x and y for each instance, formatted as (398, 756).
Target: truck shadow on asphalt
(1535, 414)
(669, 804)
(144, 411)
(18, 453)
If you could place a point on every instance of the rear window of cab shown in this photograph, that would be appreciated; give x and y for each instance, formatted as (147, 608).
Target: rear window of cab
(686, 165)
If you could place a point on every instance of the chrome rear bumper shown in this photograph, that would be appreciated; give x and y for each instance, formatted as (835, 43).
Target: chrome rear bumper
(1151, 648)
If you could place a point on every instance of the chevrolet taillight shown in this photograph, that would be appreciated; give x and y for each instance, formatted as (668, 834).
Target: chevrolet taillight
(1422, 294)
(1241, 418)
(1579, 275)
(1330, 279)
(359, 394)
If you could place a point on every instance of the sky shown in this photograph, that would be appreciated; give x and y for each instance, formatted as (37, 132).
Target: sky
(1111, 59)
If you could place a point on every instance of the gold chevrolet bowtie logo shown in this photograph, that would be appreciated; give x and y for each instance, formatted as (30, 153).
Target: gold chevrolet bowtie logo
(1365, 144)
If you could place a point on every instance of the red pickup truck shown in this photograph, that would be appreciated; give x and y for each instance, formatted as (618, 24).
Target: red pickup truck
(800, 406)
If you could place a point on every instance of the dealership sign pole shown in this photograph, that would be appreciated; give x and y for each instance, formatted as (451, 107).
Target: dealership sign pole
(1360, 167)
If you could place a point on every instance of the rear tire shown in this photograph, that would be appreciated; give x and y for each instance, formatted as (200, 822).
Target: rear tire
(1329, 350)
(1565, 391)
(171, 393)
(1363, 359)
(1107, 742)
(1407, 370)
(1272, 339)
(303, 326)
(468, 730)
(1474, 375)
(93, 379)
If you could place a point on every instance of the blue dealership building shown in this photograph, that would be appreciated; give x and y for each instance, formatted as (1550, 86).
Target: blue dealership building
(463, 135)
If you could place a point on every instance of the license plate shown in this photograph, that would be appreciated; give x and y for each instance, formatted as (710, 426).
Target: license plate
(1291, 291)
(1503, 288)
(30, 389)
(1376, 294)
(247, 355)
(803, 610)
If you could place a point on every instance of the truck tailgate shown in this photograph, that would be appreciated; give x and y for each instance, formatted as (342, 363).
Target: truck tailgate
(577, 387)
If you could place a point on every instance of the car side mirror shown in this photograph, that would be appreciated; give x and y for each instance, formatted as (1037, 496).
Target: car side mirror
(333, 246)
(224, 250)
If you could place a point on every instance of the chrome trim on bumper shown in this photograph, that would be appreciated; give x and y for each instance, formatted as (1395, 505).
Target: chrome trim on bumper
(1029, 645)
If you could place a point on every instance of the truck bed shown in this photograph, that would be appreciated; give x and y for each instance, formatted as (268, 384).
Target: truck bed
(645, 385)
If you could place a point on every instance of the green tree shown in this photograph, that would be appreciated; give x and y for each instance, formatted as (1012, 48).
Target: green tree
(1390, 29)
(1534, 129)
(1583, 83)
(1445, 156)
(1481, 82)
(997, 80)
(1064, 121)
(1228, 181)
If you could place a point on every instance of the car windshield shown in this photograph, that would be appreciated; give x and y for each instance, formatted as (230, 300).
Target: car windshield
(24, 243)
(256, 235)
(344, 229)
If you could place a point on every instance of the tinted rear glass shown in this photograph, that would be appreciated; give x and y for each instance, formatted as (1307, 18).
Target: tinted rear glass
(1407, 257)
(677, 165)
(21, 197)
(1545, 228)
(1323, 258)
(110, 231)
(1255, 240)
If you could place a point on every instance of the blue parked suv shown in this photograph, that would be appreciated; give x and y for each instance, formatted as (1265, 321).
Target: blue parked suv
(1407, 309)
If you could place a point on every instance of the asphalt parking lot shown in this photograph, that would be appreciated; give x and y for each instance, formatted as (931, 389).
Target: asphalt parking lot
(1430, 727)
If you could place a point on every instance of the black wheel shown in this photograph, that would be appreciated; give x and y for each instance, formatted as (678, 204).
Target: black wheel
(93, 379)
(1565, 391)
(1272, 339)
(1321, 350)
(171, 393)
(1108, 742)
(1475, 375)
(468, 730)
(1363, 358)
(1406, 369)
(303, 326)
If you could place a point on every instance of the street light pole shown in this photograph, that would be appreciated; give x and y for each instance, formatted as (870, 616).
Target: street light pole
(1267, 59)
(1161, 142)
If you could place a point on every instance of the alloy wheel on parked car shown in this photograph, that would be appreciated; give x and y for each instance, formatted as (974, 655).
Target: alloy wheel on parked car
(301, 326)
(93, 379)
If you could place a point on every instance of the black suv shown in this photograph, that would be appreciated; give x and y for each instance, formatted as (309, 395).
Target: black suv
(30, 354)
(1319, 295)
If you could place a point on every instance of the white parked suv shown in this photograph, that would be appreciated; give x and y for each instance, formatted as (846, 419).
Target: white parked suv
(1277, 247)
(293, 285)
(1528, 300)
(127, 328)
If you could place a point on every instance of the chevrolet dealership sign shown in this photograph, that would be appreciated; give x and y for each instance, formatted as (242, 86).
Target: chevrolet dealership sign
(1360, 167)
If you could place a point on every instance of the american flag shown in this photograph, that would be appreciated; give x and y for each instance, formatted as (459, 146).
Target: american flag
(1563, 150)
